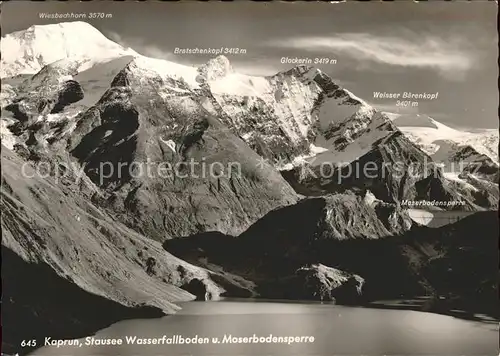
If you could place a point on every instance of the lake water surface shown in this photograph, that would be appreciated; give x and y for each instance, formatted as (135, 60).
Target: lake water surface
(437, 218)
(337, 330)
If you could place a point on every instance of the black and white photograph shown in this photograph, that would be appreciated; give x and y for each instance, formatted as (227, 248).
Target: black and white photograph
(249, 178)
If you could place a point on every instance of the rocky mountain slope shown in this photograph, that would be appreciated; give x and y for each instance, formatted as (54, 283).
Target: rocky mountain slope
(278, 253)
(281, 116)
(385, 160)
(295, 117)
(168, 124)
(469, 160)
(149, 113)
(53, 233)
(384, 257)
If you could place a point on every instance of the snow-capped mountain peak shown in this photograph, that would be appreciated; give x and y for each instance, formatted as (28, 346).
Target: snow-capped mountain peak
(144, 68)
(28, 51)
(214, 69)
(442, 142)
(280, 116)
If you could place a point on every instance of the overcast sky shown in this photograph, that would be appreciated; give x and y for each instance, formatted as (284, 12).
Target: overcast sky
(445, 47)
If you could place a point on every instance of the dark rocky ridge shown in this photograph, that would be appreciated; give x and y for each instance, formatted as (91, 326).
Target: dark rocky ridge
(278, 252)
(319, 282)
(44, 100)
(46, 92)
(71, 92)
(60, 249)
(60, 309)
(289, 255)
(398, 170)
(483, 167)
(479, 179)
(133, 123)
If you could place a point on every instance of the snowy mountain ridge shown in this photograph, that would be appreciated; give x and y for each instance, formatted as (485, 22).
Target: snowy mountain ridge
(295, 116)
(28, 51)
(285, 106)
(441, 141)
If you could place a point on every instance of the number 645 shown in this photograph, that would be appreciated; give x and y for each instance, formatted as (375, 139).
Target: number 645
(28, 343)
